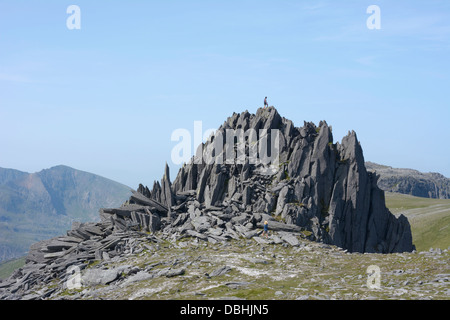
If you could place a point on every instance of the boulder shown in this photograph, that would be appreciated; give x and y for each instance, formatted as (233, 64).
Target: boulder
(289, 238)
(220, 271)
(196, 234)
(58, 245)
(94, 277)
(201, 223)
(174, 272)
(140, 276)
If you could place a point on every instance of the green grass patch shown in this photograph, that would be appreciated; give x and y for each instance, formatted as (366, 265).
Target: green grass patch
(8, 267)
(398, 203)
(432, 231)
(429, 219)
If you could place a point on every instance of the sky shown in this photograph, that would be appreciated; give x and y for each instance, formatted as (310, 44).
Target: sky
(106, 98)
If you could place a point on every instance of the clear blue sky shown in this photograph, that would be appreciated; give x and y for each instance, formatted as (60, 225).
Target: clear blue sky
(106, 98)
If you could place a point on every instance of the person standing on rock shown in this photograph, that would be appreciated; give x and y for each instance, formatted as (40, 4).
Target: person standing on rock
(266, 229)
(265, 103)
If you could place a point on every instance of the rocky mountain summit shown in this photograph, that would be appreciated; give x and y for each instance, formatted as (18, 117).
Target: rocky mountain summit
(408, 181)
(313, 190)
(316, 186)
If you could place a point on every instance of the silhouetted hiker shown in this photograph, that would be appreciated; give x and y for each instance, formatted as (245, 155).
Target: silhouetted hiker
(265, 102)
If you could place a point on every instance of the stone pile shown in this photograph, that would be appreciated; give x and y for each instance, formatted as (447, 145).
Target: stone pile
(50, 260)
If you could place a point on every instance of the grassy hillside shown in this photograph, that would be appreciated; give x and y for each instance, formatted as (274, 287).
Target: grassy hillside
(256, 271)
(8, 267)
(429, 219)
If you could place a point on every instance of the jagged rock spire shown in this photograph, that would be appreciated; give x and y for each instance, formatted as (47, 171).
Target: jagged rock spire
(167, 197)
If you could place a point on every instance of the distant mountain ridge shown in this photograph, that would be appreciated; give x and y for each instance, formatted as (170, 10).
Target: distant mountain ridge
(408, 181)
(36, 206)
(7, 175)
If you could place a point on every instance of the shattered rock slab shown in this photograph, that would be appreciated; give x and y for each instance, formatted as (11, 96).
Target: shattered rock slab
(290, 238)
